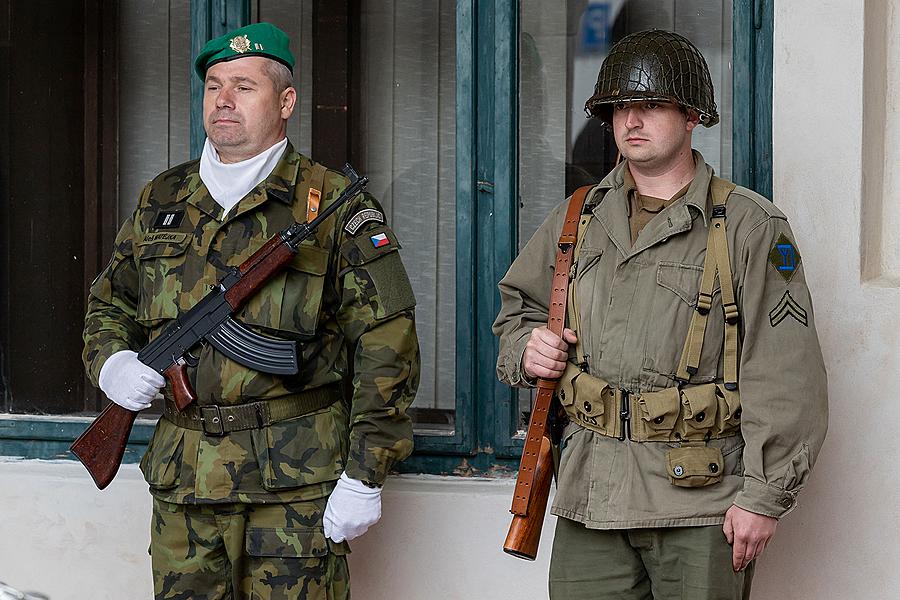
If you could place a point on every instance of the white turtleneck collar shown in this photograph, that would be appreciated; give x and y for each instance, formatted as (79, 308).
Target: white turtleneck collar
(228, 183)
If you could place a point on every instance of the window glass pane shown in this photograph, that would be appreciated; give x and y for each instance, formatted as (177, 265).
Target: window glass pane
(408, 150)
(562, 44)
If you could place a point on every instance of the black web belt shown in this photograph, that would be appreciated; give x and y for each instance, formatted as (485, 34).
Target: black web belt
(213, 419)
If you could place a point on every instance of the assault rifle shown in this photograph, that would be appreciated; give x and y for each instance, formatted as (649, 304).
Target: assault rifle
(101, 447)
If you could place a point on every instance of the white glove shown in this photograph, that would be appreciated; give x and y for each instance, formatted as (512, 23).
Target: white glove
(128, 382)
(352, 508)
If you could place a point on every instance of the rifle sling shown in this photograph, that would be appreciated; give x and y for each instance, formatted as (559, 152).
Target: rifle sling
(537, 427)
(214, 419)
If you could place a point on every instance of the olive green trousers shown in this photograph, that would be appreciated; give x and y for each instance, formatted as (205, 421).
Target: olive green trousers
(245, 551)
(674, 563)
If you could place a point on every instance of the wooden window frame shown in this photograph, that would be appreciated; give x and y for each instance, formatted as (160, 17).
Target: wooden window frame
(485, 438)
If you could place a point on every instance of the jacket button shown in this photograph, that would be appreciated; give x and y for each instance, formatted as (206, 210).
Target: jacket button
(737, 414)
(587, 407)
(678, 470)
(787, 502)
(562, 394)
(713, 468)
(658, 420)
(700, 416)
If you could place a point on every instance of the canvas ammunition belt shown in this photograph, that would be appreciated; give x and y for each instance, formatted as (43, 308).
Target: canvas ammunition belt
(213, 419)
(691, 413)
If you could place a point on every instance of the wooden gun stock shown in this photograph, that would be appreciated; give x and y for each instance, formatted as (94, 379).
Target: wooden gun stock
(102, 445)
(525, 531)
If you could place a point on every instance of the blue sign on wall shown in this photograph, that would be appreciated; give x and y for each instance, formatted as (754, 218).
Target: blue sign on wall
(595, 29)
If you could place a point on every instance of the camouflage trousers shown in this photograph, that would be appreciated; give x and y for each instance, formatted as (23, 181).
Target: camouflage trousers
(245, 551)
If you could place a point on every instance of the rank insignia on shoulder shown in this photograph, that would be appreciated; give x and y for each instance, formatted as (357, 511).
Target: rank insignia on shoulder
(784, 257)
(168, 219)
(366, 215)
(788, 307)
(380, 240)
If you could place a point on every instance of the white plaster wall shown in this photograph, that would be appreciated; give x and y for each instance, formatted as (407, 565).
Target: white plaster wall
(843, 542)
(439, 537)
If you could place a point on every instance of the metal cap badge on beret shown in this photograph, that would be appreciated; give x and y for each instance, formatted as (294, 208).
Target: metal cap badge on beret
(258, 39)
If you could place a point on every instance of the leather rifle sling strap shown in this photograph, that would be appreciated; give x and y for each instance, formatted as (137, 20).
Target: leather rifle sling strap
(537, 427)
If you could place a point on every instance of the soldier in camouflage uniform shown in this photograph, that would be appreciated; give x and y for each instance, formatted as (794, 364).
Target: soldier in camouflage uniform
(690, 372)
(260, 507)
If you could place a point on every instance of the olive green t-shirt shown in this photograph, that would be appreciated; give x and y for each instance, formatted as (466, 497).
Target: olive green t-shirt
(641, 209)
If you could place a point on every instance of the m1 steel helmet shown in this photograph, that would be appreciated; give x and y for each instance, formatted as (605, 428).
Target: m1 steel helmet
(654, 65)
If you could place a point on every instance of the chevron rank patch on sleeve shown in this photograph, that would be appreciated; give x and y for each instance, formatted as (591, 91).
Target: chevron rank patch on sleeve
(788, 307)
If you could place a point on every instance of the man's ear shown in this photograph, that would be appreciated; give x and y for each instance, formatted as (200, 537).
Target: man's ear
(692, 119)
(288, 101)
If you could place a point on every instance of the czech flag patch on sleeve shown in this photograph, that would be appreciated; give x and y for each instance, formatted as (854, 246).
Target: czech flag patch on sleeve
(380, 240)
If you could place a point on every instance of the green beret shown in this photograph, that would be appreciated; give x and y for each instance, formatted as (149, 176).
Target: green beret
(258, 39)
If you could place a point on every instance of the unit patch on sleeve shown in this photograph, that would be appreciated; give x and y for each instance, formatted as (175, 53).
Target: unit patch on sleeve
(366, 215)
(168, 219)
(788, 307)
(784, 257)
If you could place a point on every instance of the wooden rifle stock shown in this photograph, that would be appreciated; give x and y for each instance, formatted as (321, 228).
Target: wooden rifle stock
(536, 467)
(101, 446)
(525, 531)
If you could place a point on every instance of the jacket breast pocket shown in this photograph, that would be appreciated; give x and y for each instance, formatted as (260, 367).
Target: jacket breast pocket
(674, 305)
(160, 272)
(291, 302)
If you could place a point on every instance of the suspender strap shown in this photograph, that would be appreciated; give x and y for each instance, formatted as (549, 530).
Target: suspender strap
(537, 427)
(720, 191)
(316, 184)
(717, 262)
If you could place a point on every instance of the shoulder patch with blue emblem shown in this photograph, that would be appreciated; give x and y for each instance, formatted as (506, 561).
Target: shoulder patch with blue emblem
(784, 257)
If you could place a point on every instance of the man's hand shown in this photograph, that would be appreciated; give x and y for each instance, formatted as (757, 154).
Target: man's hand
(128, 382)
(748, 533)
(545, 353)
(352, 508)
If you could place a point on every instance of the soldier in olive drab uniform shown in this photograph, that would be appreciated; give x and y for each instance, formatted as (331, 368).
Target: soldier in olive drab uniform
(690, 371)
(259, 485)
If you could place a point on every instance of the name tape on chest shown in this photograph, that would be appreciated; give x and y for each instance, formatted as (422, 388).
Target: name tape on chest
(366, 215)
(167, 237)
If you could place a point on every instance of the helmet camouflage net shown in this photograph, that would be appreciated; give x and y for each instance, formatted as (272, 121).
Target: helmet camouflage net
(654, 65)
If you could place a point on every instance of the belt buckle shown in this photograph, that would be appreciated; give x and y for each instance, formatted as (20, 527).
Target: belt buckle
(211, 420)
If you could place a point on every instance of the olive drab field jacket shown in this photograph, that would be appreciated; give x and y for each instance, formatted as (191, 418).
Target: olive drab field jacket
(688, 454)
(345, 300)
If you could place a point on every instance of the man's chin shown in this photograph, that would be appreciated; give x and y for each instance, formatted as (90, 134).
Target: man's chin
(224, 141)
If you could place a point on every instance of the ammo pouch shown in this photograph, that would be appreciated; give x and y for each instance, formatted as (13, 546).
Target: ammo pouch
(690, 414)
(694, 466)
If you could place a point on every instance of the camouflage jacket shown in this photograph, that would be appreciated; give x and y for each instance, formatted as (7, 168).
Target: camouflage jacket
(346, 300)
